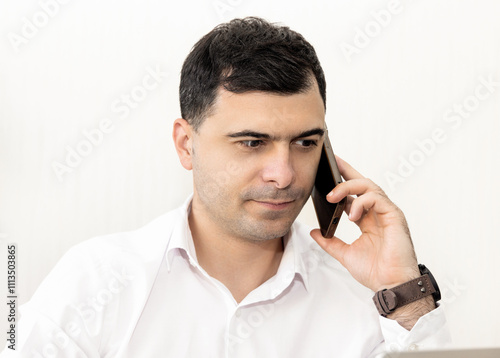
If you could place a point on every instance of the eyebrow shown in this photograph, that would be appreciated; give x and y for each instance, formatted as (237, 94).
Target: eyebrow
(254, 134)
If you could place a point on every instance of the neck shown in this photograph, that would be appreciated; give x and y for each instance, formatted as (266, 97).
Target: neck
(241, 265)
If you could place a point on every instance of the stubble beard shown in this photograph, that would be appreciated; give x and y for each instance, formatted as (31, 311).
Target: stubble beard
(231, 213)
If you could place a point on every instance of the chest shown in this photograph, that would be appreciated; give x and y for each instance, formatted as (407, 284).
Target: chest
(192, 316)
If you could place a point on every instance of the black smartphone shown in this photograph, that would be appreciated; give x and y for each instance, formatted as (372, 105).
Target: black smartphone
(327, 177)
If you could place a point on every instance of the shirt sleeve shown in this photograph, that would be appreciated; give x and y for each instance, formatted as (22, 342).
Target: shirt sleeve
(430, 332)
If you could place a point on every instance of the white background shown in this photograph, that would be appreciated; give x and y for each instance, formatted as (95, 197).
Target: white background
(401, 83)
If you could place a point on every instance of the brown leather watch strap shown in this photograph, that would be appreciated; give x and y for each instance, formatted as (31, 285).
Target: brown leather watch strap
(388, 300)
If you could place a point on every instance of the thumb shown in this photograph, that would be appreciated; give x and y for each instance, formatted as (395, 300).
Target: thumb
(335, 247)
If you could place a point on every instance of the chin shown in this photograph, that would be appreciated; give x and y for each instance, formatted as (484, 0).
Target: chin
(270, 232)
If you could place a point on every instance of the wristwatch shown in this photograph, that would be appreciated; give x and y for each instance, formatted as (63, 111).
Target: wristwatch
(388, 300)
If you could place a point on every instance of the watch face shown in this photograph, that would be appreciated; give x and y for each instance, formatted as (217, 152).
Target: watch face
(424, 270)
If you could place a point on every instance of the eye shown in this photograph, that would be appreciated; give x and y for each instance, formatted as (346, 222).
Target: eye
(307, 143)
(251, 143)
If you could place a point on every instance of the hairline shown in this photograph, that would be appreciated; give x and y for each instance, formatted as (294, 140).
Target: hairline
(197, 122)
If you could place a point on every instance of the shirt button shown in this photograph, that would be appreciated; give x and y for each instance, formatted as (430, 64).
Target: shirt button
(237, 313)
(413, 347)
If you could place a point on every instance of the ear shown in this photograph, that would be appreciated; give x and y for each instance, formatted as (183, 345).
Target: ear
(183, 140)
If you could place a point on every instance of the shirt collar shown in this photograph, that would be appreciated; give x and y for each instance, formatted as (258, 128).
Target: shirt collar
(181, 243)
(294, 241)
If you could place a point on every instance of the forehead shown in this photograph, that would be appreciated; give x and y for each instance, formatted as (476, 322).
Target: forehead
(265, 112)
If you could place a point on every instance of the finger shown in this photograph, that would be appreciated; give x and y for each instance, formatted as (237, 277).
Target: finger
(364, 203)
(351, 187)
(348, 203)
(347, 171)
(334, 246)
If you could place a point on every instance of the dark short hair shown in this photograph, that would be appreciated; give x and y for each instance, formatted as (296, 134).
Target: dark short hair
(248, 54)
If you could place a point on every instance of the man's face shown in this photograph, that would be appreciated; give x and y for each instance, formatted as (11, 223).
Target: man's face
(254, 162)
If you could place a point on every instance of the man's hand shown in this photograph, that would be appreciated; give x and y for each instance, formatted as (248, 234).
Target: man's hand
(383, 256)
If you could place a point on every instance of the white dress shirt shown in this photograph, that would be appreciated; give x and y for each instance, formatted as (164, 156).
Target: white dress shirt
(143, 294)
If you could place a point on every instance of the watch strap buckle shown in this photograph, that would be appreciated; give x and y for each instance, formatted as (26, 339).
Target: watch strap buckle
(386, 301)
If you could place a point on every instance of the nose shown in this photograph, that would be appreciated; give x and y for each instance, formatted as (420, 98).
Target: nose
(278, 168)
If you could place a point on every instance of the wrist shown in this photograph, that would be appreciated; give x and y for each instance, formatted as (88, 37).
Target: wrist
(408, 315)
(410, 274)
(389, 300)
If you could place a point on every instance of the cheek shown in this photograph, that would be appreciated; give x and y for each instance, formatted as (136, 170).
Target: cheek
(208, 157)
(228, 171)
(306, 171)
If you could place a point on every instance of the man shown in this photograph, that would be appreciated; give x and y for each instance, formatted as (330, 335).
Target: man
(230, 273)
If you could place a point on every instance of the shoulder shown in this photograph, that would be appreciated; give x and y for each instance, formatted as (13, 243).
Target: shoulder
(110, 260)
(100, 286)
(143, 244)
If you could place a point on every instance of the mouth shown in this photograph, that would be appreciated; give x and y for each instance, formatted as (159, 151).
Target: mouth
(275, 205)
